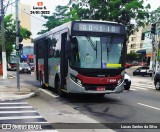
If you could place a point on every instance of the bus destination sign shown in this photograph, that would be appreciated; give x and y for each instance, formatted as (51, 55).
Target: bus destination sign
(96, 27)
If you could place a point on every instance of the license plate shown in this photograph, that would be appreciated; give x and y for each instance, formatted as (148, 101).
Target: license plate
(25, 70)
(101, 89)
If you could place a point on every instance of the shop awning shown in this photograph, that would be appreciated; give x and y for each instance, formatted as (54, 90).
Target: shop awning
(142, 51)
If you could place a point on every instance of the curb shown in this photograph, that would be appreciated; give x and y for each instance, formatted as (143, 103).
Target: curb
(15, 96)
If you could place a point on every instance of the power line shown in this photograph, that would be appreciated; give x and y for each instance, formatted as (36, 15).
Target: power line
(30, 15)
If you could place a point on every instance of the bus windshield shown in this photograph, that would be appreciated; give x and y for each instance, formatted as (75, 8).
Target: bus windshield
(96, 52)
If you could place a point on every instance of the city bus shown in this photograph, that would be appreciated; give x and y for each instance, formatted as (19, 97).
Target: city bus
(85, 56)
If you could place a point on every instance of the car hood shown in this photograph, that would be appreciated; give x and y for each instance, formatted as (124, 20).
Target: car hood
(127, 77)
(25, 67)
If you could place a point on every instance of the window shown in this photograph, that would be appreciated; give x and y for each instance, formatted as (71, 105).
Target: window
(133, 45)
(133, 39)
(141, 45)
(54, 46)
(41, 49)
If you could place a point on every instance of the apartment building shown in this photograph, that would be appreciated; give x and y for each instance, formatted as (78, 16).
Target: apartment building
(24, 17)
(135, 43)
(25, 21)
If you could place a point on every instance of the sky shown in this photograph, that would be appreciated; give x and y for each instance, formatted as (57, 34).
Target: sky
(36, 24)
(37, 21)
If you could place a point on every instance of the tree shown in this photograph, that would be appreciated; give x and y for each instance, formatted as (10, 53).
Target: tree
(60, 16)
(155, 15)
(121, 11)
(133, 56)
(10, 34)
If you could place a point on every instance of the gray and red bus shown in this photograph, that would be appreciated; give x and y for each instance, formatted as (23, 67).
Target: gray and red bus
(86, 57)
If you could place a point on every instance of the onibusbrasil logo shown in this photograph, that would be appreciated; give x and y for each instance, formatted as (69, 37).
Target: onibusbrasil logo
(39, 8)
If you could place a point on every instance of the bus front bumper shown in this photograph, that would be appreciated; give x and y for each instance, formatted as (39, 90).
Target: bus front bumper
(73, 87)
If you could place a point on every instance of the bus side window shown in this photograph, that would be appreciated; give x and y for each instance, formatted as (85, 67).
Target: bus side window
(57, 45)
(57, 54)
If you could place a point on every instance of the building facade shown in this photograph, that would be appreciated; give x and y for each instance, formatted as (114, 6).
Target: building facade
(135, 43)
(25, 21)
(152, 56)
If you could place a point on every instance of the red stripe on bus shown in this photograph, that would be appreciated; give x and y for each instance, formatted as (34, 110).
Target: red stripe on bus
(99, 80)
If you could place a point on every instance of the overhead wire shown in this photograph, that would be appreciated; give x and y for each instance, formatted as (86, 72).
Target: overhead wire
(30, 14)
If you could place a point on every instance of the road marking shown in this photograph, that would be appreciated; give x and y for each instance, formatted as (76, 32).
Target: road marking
(146, 86)
(149, 106)
(40, 122)
(46, 131)
(6, 112)
(20, 117)
(47, 92)
(15, 107)
(133, 89)
(14, 103)
(140, 88)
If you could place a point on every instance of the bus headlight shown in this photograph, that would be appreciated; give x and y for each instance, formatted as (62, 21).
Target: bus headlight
(76, 80)
(119, 82)
(9, 66)
(79, 82)
(73, 77)
(20, 68)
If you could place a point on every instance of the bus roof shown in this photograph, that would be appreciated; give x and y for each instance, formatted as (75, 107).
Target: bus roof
(58, 28)
(68, 25)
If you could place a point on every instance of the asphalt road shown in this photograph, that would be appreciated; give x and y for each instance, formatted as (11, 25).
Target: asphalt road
(138, 105)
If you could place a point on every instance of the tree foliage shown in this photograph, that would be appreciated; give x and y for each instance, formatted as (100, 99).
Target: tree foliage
(121, 11)
(10, 34)
(133, 56)
(155, 16)
(60, 16)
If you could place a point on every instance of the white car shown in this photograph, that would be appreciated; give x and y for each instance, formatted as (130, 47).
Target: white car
(24, 68)
(127, 82)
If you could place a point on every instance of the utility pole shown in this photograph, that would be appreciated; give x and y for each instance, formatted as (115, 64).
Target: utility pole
(17, 45)
(155, 46)
(4, 62)
(153, 55)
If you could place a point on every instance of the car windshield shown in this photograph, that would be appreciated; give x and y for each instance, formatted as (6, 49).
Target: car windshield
(24, 65)
(144, 67)
(31, 64)
(96, 52)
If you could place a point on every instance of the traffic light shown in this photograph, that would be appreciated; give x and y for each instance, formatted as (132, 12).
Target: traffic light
(20, 38)
(19, 47)
(143, 36)
(153, 28)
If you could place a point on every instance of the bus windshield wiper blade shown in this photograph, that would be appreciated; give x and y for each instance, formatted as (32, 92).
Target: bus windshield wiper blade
(109, 46)
(91, 42)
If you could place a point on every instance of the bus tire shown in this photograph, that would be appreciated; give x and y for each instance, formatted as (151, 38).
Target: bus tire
(59, 89)
(41, 81)
(157, 85)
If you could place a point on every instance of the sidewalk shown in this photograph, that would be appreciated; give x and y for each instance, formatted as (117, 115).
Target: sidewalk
(9, 90)
(57, 114)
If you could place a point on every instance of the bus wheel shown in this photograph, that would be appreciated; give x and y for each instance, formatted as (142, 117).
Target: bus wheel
(59, 89)
(157, 85)
(41, 82)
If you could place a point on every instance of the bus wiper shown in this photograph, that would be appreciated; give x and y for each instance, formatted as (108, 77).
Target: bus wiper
(91, 42)
(109, 47)
(96, 49)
